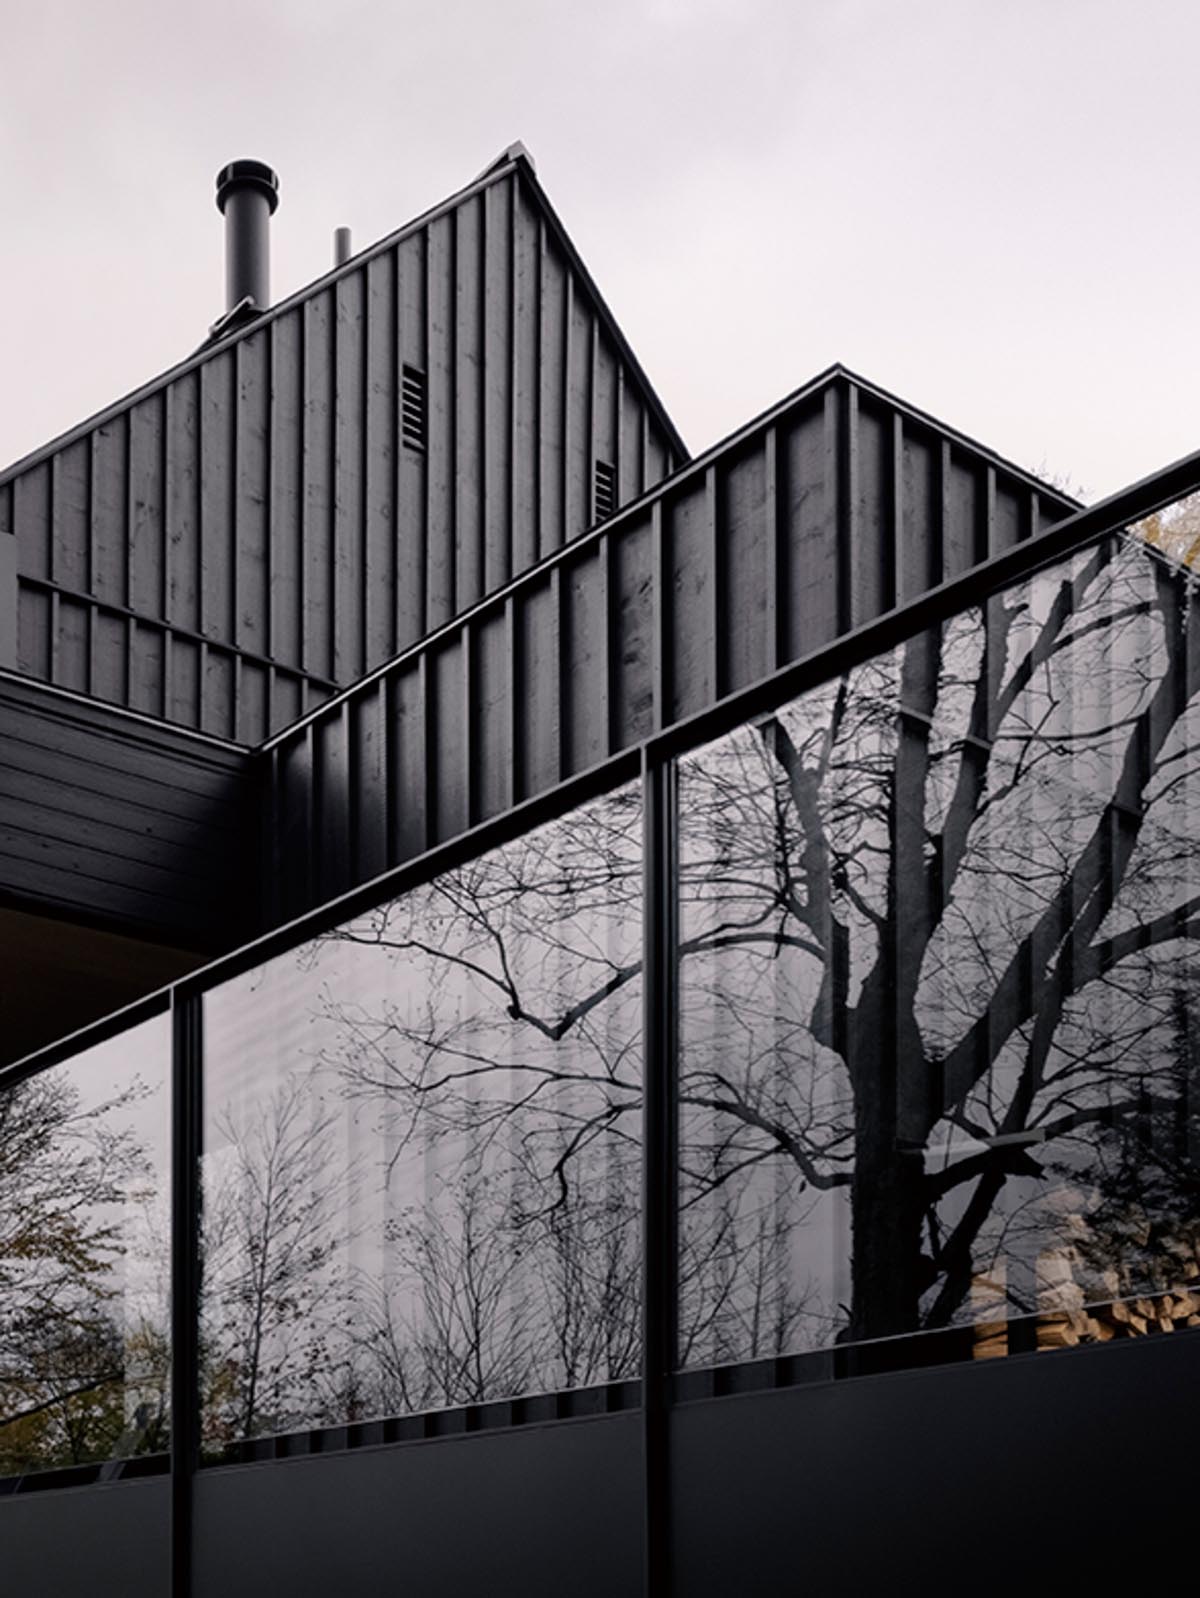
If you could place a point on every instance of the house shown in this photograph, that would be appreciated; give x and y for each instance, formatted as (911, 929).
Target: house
(628, 1002)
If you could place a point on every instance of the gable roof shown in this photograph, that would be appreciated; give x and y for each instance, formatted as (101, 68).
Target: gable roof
(314, 491)
(515, 159)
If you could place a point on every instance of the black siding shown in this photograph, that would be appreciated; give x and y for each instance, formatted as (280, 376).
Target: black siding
(231, 545)
(836, 508)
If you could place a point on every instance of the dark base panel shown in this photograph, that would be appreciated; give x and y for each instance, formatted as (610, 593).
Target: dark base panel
(544, 1510)
(103, 1541)
(1028, 1472)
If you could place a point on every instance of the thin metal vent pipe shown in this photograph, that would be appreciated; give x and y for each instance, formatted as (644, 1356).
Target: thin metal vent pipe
(247, 194)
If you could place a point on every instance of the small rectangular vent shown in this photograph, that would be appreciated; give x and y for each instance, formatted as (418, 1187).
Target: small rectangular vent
(412, 407)
(604, 491)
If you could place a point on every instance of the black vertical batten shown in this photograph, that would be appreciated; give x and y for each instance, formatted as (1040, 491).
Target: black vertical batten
(560, 622)
(775, 570)
(166, 695)
(939, 539)
(478, 458)
(591, 452)
(470, 709)
(987, 531)
(302, 539)
(395, 426)
(544, 489)
(660, 667)
(452, 497)
(510, 514)
(311, 875)
(717, 587)
(267, 483)
(333, 390)
(92, 566)
(233, 421)
(126, 561)
(563, 532)
(535, 389)
(428, 723)
(833, 607)
(610, 641)
(895, 548)
(186, 1104)
(514, 719)
(421, 604)
(659, 1041)
(389, 720)
(618, 434)
(848, 520)
(365, 660)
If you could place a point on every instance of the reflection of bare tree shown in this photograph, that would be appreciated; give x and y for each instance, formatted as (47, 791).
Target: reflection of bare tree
(492, 1019)
(82, 1364)
(497, 1025)
(936, 920)
(470, 1329)
(274, 1291)
(934, 916)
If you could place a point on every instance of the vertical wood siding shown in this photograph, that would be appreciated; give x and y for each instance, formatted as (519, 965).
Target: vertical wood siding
(231, 547)
(839, 507)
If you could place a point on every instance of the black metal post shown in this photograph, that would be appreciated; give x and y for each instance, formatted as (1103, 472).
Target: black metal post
(186, 1062)
(659, 999)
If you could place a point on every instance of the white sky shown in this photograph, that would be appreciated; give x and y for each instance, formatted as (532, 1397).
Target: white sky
(987, 206)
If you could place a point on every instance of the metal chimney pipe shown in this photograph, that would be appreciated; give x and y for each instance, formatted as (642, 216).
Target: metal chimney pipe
(247, 194)
(341, 246)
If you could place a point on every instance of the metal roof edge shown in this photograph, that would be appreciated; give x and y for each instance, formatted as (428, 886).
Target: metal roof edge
(956, 435)
(525, 165)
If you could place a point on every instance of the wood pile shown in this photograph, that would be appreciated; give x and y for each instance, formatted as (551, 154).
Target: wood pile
(1098, 1323)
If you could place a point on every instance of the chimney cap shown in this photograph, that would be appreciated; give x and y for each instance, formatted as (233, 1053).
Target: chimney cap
(252, 174)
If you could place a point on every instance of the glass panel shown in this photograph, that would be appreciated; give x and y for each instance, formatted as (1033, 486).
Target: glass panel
(940, 1066)
(85, 1256)
(422, 1159)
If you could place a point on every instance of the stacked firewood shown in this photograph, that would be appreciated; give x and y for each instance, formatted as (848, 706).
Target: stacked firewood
(1063, 1326)
(1124, 1317)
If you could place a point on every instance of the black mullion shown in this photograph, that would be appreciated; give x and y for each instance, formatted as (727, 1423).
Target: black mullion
(186, 1058)
(659, 1030)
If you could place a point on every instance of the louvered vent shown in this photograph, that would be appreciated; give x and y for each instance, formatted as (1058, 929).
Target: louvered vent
(604, 491)
(412, 407)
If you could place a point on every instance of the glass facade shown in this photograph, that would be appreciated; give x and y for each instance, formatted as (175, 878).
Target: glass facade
(937, 1082)
(85, 1257)
(422, 1145)
(939, 1063)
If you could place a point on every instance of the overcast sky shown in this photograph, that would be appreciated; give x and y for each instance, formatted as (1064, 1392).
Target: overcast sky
(989, 207)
